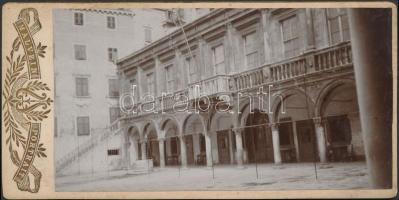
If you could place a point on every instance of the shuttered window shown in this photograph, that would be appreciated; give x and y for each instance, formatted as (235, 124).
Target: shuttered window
(78, 18)
(82, 86)
(218, 59)
(192, 69)
(111, 22)
(83, 125)
(338, 25)
(113, 87)
(251, 53)
(112, 54)
(150, 84)
(290, 36)
(80, 52)
(148, 34)
(170, 78)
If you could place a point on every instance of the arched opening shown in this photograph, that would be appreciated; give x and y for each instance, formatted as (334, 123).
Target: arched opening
(222, 138)
(297, 137)
(172, 143)
(152, 147)
(257, 138)
(195, 140)
(339, 108)
(135, 147)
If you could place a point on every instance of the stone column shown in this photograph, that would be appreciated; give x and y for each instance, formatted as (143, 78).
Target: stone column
(125, 148)
(231, 147)
(143, 150)
(162, 152)
(276, 143)
(296, 143)
(321, 139)
(371, 38)
(239, 149)
(183, 153)
(208, 146)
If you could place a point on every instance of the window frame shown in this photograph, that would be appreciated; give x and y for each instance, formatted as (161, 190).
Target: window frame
(170, 78)
(340, 13)
(149, 92)
(82, 19)
(108, 22)
(292, 39)
(76, 87)
(117, 86)
(146, 40)
(112, 54)
(215, 65)
(75, 49)
(77, 125)
(255, 47)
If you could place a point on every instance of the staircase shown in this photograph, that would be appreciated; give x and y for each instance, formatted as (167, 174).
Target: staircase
(98, 138)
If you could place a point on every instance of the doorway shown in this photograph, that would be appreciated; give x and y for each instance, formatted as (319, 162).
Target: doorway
(306, 140)
(223, 147)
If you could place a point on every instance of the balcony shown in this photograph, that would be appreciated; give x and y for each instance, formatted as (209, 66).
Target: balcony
(305, 65)
(210, 86)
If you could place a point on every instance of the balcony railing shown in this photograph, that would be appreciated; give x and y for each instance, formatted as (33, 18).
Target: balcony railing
(210, 86)
(311, 62)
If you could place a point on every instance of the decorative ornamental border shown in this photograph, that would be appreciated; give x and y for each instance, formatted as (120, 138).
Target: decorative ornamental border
(26, 100)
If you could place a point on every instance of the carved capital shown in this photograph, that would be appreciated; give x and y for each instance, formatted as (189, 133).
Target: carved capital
(318, 121)
(274, 125)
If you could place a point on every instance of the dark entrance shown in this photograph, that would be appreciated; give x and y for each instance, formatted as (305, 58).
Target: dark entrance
(190, 149)
(223, 147)
(258, 139)
(306, 140)
(339, 137)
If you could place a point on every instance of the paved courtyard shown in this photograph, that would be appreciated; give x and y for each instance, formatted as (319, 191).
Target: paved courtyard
(270, 177)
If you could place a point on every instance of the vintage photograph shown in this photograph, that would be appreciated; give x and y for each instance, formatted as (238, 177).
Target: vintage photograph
(222, 99)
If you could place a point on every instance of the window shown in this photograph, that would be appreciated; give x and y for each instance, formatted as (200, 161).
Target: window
(78, 17)
(147, 34)
(82, 86)
(113, 152)
(111, 22)
(83, 124)
(290, 36)
(192, 68)
(218, 59)
(180, 13)
(150, 84)
(114, 114)
(80, 52)
(112, 54)
(251, 54)
(170, 79)
(113, 87)
(338, 25)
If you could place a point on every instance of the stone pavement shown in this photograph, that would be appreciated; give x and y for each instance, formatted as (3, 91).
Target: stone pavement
(351, 175)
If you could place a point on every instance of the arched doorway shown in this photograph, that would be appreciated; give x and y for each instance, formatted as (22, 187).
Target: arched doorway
(172, 143)
(296, 128)
(257, 138)
(339, 109)
(152, 146)
(135, 147)
(195, 140)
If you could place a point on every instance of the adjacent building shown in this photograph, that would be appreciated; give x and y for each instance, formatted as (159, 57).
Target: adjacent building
(87, 44)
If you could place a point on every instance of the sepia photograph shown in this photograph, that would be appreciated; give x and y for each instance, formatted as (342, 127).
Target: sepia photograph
(221, 99)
